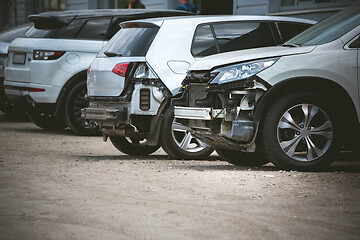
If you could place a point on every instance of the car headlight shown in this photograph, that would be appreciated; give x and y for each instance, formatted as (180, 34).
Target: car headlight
(240, 71)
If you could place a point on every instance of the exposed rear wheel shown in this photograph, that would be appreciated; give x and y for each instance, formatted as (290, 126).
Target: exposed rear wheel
(9, 107)
(132, 146)
(299, 132)
(75, 101)
(45, 121)
(178, 142)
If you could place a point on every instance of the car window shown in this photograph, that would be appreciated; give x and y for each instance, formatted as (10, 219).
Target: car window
(94, 29)
(72, 29)
(204, 42)
(288, 30)
(243, 35)
(231, 36)
(114, 27)
(43, 33)
(130, 42)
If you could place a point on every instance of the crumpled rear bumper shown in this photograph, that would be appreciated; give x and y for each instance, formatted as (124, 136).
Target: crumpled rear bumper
(106, 116)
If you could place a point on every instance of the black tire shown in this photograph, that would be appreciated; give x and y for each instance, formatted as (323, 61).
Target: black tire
(9, 107)
(134, 148)
(45, 121)
(75, 101)
(240, 158)
(177, 141)
(299, 132)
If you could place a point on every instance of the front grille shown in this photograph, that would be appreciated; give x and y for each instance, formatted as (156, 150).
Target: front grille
(145, 99)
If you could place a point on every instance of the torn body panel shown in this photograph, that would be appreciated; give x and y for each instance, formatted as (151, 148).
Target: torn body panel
(136, 112)
(221, 115)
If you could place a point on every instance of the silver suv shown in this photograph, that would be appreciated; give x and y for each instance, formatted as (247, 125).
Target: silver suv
(46, 71)
(293, 105)
(142, 67)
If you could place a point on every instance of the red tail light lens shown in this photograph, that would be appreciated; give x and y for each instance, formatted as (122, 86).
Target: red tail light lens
(120, 69)
(131, 25)
(36, 90)
(88, 71)
(47, 55)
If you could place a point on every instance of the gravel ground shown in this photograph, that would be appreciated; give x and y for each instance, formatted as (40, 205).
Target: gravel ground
(61, 186)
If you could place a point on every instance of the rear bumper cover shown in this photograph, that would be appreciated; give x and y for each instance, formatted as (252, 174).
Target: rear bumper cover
(18, 90)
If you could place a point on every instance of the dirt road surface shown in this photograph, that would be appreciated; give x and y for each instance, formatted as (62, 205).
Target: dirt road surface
(61, 186)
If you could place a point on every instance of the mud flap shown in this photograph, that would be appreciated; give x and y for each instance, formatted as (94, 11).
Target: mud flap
(153, 139)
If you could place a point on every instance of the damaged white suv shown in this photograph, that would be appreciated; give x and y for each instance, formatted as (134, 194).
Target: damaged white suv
(142, 67)
(293, 105)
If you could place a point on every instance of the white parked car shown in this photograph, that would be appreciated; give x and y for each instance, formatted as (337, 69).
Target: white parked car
(46, 71)
(142, 67)
(293, 105)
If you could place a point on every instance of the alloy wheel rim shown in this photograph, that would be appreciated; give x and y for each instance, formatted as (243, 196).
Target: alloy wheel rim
(184, 139)
(141, 142)
(305, 132)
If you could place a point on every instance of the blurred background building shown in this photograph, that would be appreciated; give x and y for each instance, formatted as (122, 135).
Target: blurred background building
(15, 12)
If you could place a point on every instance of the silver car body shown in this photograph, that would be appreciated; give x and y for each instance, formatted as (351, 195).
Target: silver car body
(308, 61)
(300, 101)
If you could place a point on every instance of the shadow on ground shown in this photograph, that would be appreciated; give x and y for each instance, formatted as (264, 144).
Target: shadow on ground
(153, 157)
(347, 163)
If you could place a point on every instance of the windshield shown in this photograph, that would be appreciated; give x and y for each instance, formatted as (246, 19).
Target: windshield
(130, 42)
(329, 29)
(9, 35)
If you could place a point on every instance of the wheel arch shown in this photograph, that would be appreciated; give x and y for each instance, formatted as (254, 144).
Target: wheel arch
(60, 103)
(327, 89)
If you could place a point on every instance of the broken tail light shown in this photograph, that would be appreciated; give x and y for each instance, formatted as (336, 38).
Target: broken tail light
(120, 69)
(88, 71)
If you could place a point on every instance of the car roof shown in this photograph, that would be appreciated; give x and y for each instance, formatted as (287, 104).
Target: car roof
(199, 19)
(66, 16)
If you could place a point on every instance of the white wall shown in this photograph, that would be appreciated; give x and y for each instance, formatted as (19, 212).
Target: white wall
(77, 4)
(257, 7)
(160, 4)
(154, 4)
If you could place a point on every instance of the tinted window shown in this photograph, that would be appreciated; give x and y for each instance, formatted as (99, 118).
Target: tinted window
(289, 30)
(243, 35)
(204, 42)
(94, 29)
(355, 43)
(131, 42)
(72, 29)
(42, 33)
(114, 28)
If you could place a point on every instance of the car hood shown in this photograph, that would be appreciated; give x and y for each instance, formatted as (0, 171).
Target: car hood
(4, 47)
(223, 59)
